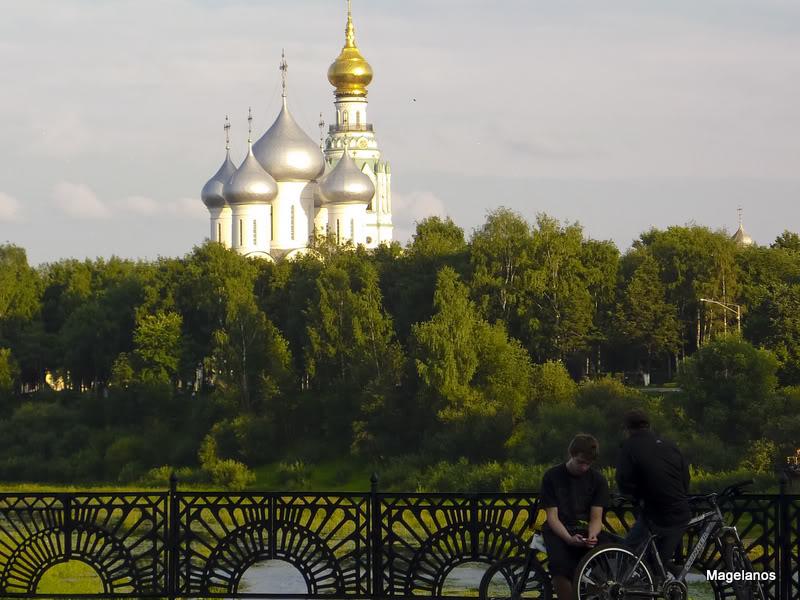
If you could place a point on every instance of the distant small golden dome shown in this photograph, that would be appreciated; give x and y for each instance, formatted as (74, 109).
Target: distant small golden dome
(350, 74)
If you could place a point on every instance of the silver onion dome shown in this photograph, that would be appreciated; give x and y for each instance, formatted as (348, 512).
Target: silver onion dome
(287, 153)
(212, 194)
(250, 184)
(346, 184)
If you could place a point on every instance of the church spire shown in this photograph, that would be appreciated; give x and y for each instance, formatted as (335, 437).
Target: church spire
(349, 31)
(227, 128)
(284, 70)
(350, 74)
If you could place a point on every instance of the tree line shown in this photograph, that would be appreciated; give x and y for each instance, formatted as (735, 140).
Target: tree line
(492, 348)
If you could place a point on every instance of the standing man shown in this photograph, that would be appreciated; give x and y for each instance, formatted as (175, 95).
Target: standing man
(653, 470)
(573, 497)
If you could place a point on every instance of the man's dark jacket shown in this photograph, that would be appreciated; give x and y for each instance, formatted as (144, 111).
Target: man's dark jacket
(654, 471)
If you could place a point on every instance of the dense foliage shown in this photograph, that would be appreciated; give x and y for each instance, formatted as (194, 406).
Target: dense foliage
(421, 362)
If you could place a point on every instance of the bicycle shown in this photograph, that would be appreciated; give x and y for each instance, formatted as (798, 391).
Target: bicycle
(526, 575)
(516, 577)
(615, 571)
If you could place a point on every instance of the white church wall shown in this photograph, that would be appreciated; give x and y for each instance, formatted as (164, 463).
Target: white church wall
(221, 225)
(250, 231)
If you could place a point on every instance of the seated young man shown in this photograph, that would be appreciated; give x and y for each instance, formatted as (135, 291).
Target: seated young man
(573, 496)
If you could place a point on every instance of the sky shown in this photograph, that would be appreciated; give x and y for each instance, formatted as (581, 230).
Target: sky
(621, 115)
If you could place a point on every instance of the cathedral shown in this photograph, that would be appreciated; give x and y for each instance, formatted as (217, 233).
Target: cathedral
(289, 188)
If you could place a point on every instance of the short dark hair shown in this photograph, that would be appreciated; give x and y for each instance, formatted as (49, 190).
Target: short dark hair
(584, 444)
(636, 419)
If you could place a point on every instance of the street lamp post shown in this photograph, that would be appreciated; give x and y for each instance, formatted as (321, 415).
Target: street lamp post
(734, 308)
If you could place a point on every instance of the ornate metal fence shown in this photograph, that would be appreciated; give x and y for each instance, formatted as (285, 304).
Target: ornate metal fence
(371, 545)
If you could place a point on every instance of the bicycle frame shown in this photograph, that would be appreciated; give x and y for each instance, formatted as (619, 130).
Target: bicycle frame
(715, 524)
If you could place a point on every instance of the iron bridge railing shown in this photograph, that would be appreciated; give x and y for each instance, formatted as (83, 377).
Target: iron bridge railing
(344, 545)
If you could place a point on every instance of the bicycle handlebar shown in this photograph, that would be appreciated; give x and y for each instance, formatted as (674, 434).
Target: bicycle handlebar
(735, 489)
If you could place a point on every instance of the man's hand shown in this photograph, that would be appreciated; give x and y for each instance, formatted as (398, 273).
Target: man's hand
(577, 540)
(590, 541)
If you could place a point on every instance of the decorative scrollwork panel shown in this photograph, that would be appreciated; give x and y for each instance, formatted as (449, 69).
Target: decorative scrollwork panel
(122, 537)
(424, 537)
(324, 537)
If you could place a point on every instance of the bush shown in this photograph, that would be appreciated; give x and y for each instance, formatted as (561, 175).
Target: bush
(293, 475)
(227, 473)
(157, 477)
(704, 482)
(231, 475)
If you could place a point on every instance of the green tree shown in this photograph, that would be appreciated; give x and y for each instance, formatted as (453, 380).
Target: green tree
(558, 317)
(474, 380)
(601, 262)
(157, 345)
(8, 372)
(695, 263)
(347, 328)
(251, 357)
(724, 387)
(408, 279)
(436, 237)
(644, 319)
(19, 285)
(202, 296)
(501, 252)
(788, 240)
(775, 324)
(551, 383)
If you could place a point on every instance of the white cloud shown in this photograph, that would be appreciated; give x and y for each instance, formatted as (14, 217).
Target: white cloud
(10, 209)
(409, 209)
(61, 135)
(187, 207)
(78, 201)
(140, 205)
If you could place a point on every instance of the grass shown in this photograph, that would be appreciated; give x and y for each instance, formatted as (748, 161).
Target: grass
(335, 475)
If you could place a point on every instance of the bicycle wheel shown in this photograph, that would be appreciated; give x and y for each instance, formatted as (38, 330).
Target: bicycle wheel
(503, 580)
(736, 561)
(606, 573)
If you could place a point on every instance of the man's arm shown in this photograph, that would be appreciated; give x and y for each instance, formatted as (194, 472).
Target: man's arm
(558, 527)
(595, 523)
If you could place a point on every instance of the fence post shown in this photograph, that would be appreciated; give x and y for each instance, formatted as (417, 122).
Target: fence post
(172, 534)
(68, 525)
(784, 540)
(376, 550)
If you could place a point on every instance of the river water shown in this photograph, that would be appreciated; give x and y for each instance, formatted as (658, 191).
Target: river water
(275, 576)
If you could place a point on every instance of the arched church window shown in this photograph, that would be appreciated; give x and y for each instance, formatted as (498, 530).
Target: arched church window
(345, 118)
(338, 117)
(358, 117)
(353, 230)
(338, 231)
(241, 232)
(292, 221)
(255, 233)
(219, 232)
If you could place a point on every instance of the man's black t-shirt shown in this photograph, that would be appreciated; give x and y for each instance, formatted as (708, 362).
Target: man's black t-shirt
(573, 495)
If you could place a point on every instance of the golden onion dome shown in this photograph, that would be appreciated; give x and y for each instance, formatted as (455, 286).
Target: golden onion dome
(350, 74)
(741, 238)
